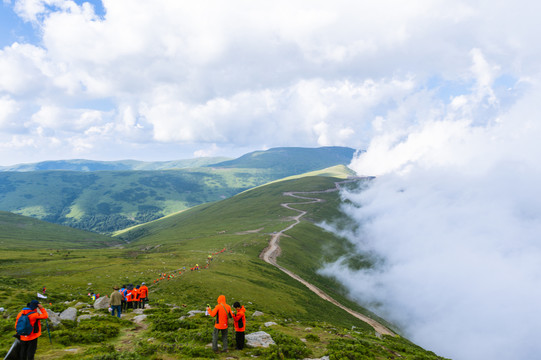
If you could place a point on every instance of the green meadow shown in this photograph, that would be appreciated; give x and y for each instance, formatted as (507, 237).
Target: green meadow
(305, 325)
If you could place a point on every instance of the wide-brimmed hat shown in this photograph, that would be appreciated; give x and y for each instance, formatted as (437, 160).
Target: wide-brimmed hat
(115, 287)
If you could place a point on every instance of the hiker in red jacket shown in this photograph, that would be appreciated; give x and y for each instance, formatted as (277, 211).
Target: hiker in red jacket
(29, 343)
(239, 319)
(143, 290)
(222, 311)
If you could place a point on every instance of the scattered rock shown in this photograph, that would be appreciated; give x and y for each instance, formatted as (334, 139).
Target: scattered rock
(259, 339)
(270, 323)
(138, 311)
(321, 358)
(193, 312)
(54, 318)
(257, 313)
(101, 303)
(84, 317)
(69, 314)
(139, 319)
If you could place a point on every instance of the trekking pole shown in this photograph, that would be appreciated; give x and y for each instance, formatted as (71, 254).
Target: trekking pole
(48, 331)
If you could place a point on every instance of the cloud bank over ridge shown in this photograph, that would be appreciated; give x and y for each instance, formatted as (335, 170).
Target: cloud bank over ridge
(453, 219)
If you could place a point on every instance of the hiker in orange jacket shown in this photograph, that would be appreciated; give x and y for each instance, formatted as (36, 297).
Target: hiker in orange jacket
(129, 297)
(29, 343)
(143, 291)
(136, 297)
(239, 319)
(222, 311)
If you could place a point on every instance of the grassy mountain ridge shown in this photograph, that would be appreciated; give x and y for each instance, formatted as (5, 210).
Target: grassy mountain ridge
(292, 160)
(106, 201)
(242, 226)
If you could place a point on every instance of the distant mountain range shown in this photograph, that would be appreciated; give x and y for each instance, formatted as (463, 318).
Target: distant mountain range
(92, 165)
(108, 196)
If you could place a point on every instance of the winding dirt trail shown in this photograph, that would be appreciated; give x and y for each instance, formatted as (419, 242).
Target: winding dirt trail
(271, 253)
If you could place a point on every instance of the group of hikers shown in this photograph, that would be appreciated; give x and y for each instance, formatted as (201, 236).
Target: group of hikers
(28, 325)
(128, 297)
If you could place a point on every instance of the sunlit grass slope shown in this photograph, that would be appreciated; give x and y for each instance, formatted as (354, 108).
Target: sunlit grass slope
(243, 225)
(22, 232)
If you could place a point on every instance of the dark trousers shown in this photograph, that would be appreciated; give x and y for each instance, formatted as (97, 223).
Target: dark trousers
(117, 309)
(239, 337)
(215, 339)
(28, 349)
(124, 305)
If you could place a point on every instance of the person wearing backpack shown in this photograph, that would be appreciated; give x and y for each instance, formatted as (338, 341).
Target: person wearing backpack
(222, 311)
(28, 328)
(239, 319)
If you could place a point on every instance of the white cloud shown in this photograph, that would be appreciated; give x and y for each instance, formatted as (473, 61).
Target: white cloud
(318, 73)
(455, 220)
(8, 109)
(22, 69)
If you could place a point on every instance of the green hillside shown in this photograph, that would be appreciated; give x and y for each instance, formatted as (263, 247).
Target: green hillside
(235, 230)
(106, 201)
(22, 232)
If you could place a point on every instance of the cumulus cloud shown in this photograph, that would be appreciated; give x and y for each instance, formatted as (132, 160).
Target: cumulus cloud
(256, 75)
(452, 222)
(325, 73)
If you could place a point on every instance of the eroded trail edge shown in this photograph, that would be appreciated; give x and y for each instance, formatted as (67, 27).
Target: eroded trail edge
(271, 253)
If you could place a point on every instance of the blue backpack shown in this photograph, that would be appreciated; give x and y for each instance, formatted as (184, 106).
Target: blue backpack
(24, 327)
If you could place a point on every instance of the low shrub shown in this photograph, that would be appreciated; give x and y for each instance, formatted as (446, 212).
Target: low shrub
(91, 331)
(198, 352)
(342, 349)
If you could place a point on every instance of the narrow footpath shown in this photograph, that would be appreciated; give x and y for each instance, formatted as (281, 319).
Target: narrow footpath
(271, 253)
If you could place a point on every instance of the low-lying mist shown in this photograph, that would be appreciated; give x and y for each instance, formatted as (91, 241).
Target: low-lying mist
(454, 219)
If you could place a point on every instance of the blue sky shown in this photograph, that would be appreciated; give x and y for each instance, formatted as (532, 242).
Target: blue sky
(13, 28)
(443, 95)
